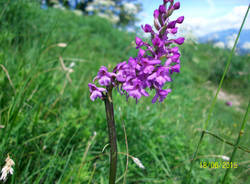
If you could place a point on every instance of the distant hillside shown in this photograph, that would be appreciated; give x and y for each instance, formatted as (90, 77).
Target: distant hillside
(225, 39)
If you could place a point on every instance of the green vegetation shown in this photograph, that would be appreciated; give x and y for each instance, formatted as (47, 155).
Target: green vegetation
(49, 120)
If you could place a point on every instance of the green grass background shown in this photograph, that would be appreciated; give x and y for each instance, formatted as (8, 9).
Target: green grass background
(49, 121)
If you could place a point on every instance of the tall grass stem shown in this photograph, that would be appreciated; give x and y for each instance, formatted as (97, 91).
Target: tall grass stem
(225, 71)
(241, 132)
(216, 95)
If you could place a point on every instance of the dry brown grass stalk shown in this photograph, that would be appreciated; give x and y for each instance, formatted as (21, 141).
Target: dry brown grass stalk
(8, 76)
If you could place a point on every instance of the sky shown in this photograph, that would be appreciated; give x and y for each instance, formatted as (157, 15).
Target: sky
(202, 16)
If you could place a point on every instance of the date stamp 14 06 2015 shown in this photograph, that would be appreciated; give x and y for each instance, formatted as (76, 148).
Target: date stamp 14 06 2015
(217, 165)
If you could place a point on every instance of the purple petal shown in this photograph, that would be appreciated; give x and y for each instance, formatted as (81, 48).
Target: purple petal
(104, 81)
(162, 9)
(180, 19)
(119, 66)
(132, 62)
(138, 42)
(157, 41)
(135, 94)
(92, 87)
(163, 94)
(102, 89)
(177, 5)
(175, 68)
(161, 80)
(141, 52)
(175, 57)
(171, 24)
(148, 69)
(156, 14)
(152, 76)
(144, 93)
(179, 41)
(121, 77)
(174, 30)
(168, 62)
(147, 28)
(155, 98)
(95, 94)
(175, 49)
(102, 70)
(154, 62)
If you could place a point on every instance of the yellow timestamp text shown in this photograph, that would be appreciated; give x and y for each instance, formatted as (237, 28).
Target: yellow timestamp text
(216, 165)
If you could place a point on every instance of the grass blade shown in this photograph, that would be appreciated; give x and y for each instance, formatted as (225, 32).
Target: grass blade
(216, 95)
(237, 142)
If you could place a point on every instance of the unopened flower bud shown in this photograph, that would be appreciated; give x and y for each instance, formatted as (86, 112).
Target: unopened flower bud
(180, 19)
(174, 30)
(162, 9)
(147, 28)
(156, 14)
(171, 24)
(179, 41)
(177, 5)
(166, 1)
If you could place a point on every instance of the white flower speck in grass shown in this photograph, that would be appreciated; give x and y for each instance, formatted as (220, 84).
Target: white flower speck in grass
(72, 64)
(138, 162)
(7, 169)
(63, 45)
(225, 157)
(1, 126)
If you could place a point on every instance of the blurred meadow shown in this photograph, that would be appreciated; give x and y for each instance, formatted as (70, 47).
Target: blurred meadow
(55, 134)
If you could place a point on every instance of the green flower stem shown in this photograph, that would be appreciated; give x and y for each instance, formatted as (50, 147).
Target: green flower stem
(241, 132)
(112, 135)
(194, 157)
(215, 97)
(226, 141)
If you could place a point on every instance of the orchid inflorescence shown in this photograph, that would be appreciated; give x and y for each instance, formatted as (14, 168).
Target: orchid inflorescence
(154, 64)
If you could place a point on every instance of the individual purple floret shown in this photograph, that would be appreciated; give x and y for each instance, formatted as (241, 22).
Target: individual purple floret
(104, 77)
(161, 94)
(95, 91)
(156, 61)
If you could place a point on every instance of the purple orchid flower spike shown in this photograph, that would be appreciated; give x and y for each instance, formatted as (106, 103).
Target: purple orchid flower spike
(151, 69)
(148, 70)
